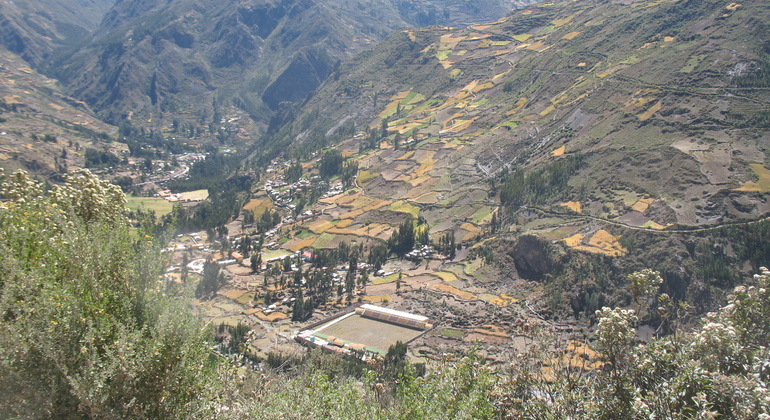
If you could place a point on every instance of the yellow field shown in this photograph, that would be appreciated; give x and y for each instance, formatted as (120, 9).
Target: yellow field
(602, 242)
(455, 291)
(497, 300)
(345, 200)
(519, 105)
(571, 35)
(573, 205)
(547, 111)
(405, 207)
(762, 184)
(429, 198)
(446, 275)
(483, 86)
(344, 223)
(305, 243)
(573, 240)
(197, 194)
(365, 177)
(320, 226)
(650, 112)
(642, 204)
(560, 151)
(376, 204)
(460, 125)
(473, 231)
(258, 206)
(377, 298)
(352, 214)
(234, 293)
(373, 230)
(275, 316)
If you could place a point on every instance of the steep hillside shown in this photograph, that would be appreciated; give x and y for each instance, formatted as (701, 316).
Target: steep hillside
(42, 130)
(672, 112)
(34, 29)
(571, 143)
(196, 60)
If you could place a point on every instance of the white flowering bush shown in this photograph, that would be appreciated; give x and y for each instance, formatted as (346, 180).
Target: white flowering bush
(644, 283)
(85, 328)
(615, 332)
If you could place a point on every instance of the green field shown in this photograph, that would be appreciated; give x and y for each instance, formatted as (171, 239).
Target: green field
(160, 206)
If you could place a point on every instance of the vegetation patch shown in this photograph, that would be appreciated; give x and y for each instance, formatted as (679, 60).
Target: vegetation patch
(304, 243)
(385, 279)
(522, 37)
(650, 112)
(323, 240)
(402, 206)
(258, 205)
(195, 195)
(455, 291)
(320, 226)
(160, 206)
(272, 317)
(234, 294)
(482, 215)
(573, 205)
(763, 182)
(452, 333)
(446, 275)
(603, 242)
(560, 151)
(642, 204)
(571, 35)
(574, 240)
(653, 225)
(365, 177)
(245, 298)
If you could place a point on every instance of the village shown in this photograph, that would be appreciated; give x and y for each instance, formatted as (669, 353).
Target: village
(287, 292)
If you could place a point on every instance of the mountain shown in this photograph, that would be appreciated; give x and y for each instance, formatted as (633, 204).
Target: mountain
(570, 142)
(34, 29)
(194, 61)
(672, 111)
(42, 129)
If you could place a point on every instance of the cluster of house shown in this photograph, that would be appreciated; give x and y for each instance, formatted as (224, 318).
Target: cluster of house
(282, 193)
(418, 253)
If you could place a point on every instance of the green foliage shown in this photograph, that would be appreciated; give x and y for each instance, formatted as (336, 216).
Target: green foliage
(86, 329)
(446, 244)
(540, 186)
(403, 239)
(348, 173)
(378, 255)
(330, 164)
(99, 159)
(293, 172)
(211, 280)
(758, 76)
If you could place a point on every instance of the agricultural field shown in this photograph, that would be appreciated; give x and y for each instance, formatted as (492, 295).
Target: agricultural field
(375, 335)
(160, 206)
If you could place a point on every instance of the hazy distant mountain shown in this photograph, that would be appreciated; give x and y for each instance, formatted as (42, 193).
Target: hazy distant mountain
(192, 60)
(34, 29)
